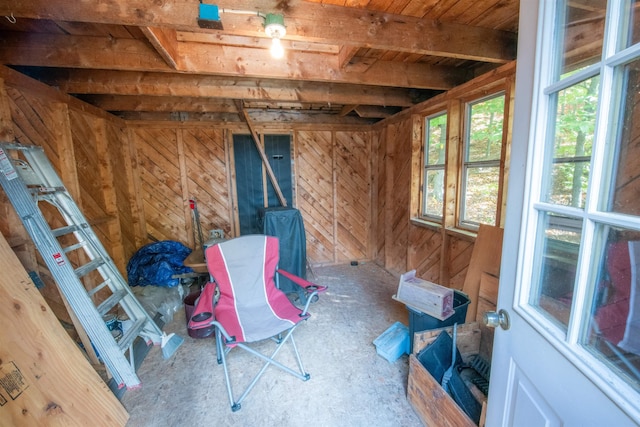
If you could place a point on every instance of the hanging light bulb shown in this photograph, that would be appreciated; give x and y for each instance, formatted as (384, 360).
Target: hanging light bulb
(274, 28)
(277, 51)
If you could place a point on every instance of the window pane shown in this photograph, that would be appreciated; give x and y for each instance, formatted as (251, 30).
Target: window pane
(434, 193)
(569, 183)
(614, 322)
(484, 140)
(552, 288)
(626, 188)
(436, 140)
(581, 34)
(633, 24)
(481, 195)
(575, 118)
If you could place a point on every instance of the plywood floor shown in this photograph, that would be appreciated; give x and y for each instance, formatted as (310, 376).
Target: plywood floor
(350, 385)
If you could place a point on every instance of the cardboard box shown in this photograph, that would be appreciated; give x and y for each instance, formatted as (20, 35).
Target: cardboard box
(424, 296)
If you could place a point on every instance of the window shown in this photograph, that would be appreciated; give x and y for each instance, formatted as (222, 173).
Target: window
(434, 162)
(482, 155)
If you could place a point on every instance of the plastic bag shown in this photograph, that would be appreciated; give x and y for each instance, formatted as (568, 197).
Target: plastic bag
(163, 300)
(156, 264)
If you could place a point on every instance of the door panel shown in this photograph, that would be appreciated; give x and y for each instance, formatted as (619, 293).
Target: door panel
(528, 406)
(249, 186)
(556, 365)
(278, 151)
(253, 186)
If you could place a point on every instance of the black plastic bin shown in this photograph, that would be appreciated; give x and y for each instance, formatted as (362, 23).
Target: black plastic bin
(419, 321)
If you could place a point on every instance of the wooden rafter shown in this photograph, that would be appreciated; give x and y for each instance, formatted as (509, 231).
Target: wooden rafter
(135, 55)
(305, 21)
(162, 84)
(164, 42)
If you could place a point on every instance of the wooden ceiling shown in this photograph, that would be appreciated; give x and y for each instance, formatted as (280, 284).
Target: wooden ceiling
(346, 61)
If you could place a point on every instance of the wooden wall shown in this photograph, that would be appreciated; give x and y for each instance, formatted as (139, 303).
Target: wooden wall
(439, 253)
(88, 148)
(134, 180)
(332, 172)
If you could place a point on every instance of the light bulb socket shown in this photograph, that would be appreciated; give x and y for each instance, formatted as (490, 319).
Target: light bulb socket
(274, 25)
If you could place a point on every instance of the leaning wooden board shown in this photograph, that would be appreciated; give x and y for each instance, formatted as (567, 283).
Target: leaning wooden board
(485, 258)
(44, 378)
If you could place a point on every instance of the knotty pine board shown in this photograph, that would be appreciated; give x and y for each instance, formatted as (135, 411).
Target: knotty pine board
(44, 378)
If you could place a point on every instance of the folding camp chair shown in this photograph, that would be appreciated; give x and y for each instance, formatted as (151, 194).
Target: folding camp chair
(250, 308)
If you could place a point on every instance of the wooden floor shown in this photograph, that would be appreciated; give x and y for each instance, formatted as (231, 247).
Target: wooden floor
(350, 385)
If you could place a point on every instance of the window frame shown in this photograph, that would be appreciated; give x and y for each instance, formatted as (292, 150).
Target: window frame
(465, 163)
(436, 167)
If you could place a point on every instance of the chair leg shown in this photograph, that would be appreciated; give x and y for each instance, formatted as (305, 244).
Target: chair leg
(295, 350)
(302, 375)
(222, 358)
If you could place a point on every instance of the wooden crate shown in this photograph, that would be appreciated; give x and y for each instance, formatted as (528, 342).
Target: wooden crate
(433, 405)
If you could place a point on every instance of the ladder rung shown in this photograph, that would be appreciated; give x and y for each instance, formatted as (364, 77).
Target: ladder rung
(131, 334)
(98, 288)
(111, 302)
(65, 230)
(51, 190)
(89, 267)
(74, 247)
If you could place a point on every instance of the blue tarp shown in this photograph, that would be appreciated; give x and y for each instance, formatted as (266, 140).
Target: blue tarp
(156, 263)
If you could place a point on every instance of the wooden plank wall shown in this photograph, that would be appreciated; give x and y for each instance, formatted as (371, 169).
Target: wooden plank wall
(178, 164)
(379, 199)
(439, 254)
(87, 147)
(332, 171)
(406, 245)
(353, 196)
(397, 190)
(315, 195)
(353, 185)
(47, 381)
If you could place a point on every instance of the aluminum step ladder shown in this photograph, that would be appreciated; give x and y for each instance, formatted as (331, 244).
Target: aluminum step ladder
(32, 179)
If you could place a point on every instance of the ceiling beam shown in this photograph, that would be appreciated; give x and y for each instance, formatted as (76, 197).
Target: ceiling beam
(257, 116)
(304, 20)
(374, 111)
(184, 85)
(161, 103)
(50, 50)
(136, 55)
(254, 42)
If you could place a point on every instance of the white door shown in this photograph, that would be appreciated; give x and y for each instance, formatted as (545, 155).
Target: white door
(569, 278)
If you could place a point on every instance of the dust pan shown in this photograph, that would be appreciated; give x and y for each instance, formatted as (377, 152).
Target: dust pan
(170, 344)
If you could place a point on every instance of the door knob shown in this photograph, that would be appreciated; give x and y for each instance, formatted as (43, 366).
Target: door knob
(492, 319)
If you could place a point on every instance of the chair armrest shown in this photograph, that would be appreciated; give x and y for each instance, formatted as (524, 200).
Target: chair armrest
(311, 288)
(307, 285)
(203, 314)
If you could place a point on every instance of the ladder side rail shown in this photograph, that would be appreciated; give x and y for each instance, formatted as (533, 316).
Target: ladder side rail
(95, 249)
(62, 270)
